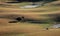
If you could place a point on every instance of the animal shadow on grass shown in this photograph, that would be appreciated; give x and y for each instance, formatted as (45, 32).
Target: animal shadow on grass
(18, 19)
(22, 19)
(13, 21)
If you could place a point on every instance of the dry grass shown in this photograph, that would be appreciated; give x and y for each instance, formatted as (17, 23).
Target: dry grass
(55, 3)
(8, 29)
(26, 29)
(34, 13)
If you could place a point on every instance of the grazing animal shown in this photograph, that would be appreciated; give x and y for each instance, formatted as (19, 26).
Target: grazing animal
(20, 18)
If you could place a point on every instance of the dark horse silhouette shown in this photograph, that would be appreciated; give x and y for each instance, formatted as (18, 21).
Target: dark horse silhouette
(18, 19)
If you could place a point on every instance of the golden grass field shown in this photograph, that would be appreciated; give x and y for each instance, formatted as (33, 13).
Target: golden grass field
(25, 28)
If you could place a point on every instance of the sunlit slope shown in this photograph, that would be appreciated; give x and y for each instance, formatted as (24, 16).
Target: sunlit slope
(25, 28)
(36, 13)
